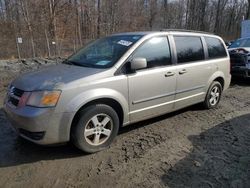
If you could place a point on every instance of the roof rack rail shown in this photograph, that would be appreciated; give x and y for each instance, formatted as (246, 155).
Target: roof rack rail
(185, 30)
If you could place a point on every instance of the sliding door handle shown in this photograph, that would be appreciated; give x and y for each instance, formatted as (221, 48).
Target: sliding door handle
(183, 71)
(168, 74)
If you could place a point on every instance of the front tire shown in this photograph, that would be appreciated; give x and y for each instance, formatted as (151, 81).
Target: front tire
(213, 95)
(96, 128)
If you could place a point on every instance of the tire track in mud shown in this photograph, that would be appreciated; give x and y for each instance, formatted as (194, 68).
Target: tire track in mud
(136, 151)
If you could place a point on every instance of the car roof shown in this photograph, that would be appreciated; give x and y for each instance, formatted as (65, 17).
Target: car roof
(169, 31)
(134, 33)
(243, 38)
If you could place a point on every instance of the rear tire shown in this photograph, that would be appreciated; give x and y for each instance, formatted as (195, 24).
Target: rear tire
(96, 128)
(213, 95)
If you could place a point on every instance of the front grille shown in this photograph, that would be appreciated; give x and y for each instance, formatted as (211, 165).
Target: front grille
(18, 92)
(238, 59)
(13, 101)
(14, 95)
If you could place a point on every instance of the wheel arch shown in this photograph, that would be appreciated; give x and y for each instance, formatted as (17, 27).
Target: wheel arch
(217, 76)
(106, 96)
(221, 81)
(107, 101)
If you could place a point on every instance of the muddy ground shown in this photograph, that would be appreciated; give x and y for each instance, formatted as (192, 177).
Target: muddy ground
(189, 148)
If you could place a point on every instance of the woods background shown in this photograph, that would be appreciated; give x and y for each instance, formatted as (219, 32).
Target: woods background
(60, 27)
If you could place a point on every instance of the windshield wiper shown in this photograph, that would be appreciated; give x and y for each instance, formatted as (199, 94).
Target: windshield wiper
(71, 63)
(76, 63)
(68, 62)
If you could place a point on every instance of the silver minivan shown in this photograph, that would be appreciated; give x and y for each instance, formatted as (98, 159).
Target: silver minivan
(115, 81)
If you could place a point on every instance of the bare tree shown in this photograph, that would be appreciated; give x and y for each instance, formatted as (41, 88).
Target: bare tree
(73, 23)
(98, 18)
(218, 19)
(165, 15)
(248, 10)
(27, 19)
(152, 12)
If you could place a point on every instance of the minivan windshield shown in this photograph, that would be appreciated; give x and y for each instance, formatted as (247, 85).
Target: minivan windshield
(240, 43)
(103, 53)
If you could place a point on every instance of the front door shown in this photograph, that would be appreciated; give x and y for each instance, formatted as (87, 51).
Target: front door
(152, 90)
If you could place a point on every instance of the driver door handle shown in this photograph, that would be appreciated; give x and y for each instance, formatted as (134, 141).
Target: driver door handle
(183, 71)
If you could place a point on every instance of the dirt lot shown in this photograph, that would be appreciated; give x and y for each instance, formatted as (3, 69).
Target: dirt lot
(189, 148)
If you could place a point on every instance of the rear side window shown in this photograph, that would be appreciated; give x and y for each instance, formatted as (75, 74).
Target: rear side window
(189, 49)
(215, 48)
(156, 51)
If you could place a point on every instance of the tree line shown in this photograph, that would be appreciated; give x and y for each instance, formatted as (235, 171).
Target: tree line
(60, 27)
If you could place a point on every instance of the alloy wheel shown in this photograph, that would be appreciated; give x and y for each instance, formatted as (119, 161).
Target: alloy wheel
(98, 129)
(214, 95)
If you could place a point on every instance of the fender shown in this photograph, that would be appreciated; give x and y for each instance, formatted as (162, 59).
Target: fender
(216, 75)
(85, 97)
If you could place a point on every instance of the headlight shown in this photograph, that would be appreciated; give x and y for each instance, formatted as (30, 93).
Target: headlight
(43, 98)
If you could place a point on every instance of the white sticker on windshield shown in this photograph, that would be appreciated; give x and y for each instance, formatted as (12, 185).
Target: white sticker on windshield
(102, 62)
(124, 42)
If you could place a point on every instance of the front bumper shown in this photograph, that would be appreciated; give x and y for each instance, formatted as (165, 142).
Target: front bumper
(240, 72)
(40, 125)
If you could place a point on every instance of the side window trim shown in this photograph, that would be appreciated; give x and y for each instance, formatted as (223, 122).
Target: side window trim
(205, 48)
(119, 71)
(172, 49)
(166, 36)
(223, 45)
(189, 62)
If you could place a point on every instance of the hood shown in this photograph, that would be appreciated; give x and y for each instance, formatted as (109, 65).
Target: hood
(53, 77)
(245, 49)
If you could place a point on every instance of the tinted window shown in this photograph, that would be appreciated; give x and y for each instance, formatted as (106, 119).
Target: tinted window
(156, 51)
(189, 49)
(215, 48)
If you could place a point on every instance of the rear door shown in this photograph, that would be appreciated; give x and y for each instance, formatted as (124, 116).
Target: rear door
(193, 71)
(152, 90)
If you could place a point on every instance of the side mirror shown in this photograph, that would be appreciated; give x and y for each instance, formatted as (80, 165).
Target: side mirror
(138, 63)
